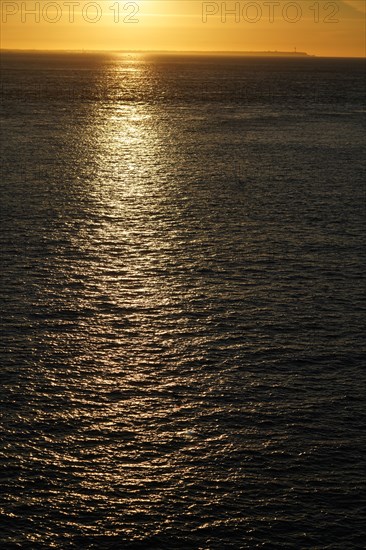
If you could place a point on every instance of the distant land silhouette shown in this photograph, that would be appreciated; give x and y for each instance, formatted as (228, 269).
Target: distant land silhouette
(273, 53)
(269, 53)
(258, 54)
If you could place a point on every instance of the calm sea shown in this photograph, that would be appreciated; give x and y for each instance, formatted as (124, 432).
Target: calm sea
(183, 306)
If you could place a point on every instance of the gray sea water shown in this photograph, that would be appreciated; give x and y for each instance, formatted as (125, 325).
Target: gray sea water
(183, 306)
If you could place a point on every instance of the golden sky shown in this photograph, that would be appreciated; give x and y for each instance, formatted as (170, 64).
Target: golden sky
(323, 27)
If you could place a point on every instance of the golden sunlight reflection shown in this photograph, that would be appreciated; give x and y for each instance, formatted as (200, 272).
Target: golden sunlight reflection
(132, 195)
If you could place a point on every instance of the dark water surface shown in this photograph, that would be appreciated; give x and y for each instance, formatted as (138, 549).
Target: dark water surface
(182, 280)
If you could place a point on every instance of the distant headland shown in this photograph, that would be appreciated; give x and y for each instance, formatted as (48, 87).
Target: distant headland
(269, 54)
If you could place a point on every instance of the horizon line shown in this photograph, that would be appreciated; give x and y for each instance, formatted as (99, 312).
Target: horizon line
(258, 53)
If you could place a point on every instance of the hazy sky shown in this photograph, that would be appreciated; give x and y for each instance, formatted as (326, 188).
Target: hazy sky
(324, 27)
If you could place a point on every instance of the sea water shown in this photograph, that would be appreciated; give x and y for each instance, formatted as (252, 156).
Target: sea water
(183, 307)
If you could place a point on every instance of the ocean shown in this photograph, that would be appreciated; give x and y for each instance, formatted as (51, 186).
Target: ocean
(183, 302)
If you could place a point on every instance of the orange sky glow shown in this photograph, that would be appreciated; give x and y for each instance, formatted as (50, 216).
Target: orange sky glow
(329, 28)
